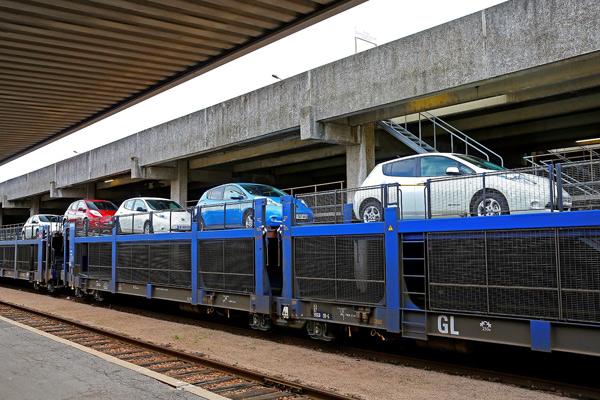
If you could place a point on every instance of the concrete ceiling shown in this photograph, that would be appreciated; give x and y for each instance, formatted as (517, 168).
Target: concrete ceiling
(66, 64)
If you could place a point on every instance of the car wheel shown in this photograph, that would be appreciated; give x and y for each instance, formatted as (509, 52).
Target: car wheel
(248, 219)
(495, 204)
(371, 211)
(23, 236)
(146, 228)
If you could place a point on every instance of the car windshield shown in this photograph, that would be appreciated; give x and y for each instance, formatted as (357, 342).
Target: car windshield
(481, 163)
(263, 190)
(162, 204)
(48, 218)
(101, 205)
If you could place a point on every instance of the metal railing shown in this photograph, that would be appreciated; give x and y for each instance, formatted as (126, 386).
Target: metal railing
(161, 221)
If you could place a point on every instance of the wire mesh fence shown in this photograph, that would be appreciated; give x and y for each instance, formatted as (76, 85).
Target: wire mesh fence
(525, 190)
(11, 232)
(582, 181)
(228, 215)
(349, 205)
(175, 220)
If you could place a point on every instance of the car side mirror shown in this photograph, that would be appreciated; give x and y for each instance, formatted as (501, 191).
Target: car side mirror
(236, 197)
(452, 171)
(80, 209)
(141, 209)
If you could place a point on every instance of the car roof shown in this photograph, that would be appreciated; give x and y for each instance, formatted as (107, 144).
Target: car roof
(418, 156)
(149, 198)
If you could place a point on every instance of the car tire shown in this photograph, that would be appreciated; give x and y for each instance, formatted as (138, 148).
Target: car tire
(371, 211)
(37, 232)
(146, 228)
(248, 219)
(495, 204)
(201, 224)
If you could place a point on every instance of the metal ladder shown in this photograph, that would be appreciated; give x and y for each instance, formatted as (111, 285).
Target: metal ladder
(414, 297)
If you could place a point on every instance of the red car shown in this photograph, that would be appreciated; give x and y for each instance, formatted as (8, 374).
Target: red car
(90, 213)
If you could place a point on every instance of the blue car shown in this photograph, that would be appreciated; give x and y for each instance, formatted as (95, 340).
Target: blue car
(231, 206)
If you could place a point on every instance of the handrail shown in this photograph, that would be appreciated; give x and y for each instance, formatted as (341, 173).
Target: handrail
(454, 133)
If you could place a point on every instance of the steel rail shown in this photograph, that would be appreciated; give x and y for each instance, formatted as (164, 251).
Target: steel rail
(292, 387)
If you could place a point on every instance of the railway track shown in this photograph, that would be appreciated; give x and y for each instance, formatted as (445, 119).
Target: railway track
(225, 380)
(417, 361)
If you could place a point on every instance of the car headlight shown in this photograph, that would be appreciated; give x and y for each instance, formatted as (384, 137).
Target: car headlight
(95, 213)
(271, 202)
(303, 203)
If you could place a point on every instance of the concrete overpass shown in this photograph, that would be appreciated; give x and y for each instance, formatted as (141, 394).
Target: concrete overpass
(524, 70)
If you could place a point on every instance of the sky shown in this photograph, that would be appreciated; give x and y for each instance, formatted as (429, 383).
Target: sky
(325, 42)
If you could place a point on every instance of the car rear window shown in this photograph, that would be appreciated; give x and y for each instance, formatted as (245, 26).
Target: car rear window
(401, 168)
(101, 205)
(162, 204)
(48, 218)
(216, 194)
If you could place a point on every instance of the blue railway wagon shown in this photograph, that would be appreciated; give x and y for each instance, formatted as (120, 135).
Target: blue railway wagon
(525, 280)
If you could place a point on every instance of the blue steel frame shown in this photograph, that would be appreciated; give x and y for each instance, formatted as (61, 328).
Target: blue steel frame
(260, 299)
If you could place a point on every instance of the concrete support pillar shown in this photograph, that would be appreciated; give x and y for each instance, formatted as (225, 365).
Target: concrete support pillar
(360, 158)
(90, 190)
(179, 185)
(35, 206)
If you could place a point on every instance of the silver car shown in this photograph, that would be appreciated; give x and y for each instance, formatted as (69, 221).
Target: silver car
(35, 223)
(167, 215)
(456, 187)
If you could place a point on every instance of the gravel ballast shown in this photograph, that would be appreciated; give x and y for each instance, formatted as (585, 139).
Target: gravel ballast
(355, 377)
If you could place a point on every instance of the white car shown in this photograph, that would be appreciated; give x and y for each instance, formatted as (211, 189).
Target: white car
(35, 223)
(167, 215)
(456, 188)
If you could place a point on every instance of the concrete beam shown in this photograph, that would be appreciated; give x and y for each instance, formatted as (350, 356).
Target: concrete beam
(15, 203)
(290, 158)
(72, 193)
(309, 166)
(312, 129)
(208, 176)
(248, 152)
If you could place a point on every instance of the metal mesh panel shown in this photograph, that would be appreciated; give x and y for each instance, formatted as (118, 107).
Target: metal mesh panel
(226, 264)
(340, 268)
(229, 215)
(175, 220)
(27, 257)
(500, 272)
(529, 262)
(11, 232)
(158, 263)
(582, 181)
(506, 192)
(7, 256)
(100, 260)
(580, 274)
(349, 205)
(101, 226)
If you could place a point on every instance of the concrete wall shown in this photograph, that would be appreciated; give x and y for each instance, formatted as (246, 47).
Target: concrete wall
(506, 39)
